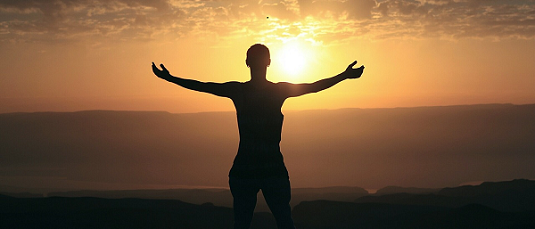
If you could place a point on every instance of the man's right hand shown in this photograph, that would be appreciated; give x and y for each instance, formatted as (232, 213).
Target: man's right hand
(164, 73)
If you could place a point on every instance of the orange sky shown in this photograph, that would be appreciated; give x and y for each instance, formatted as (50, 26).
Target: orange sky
(70, 55)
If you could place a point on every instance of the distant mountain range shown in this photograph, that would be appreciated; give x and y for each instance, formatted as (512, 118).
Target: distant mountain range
(396, 189)
(507, 204)
(219, 197)
(428, 147)
(513, 196)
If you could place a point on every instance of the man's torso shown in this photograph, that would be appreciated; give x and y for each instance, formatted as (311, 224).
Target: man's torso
(258, 110)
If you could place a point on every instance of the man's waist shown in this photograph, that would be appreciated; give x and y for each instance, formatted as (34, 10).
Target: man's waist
(259, 144)
(258, 171)
(259, 166)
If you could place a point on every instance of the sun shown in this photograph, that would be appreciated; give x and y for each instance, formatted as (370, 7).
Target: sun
(292, 59)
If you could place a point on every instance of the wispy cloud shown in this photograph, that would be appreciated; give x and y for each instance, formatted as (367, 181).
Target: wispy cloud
(320, 20)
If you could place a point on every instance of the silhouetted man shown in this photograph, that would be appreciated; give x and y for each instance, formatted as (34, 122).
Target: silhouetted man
(259, 163)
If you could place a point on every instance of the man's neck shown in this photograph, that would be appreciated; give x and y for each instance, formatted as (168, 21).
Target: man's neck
(258, 74)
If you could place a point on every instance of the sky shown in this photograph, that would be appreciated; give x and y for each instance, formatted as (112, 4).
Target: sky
(70, 55)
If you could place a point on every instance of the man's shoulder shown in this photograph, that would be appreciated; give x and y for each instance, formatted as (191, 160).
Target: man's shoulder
(284, 84)
(232, 84)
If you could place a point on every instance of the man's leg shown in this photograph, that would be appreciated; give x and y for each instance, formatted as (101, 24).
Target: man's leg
(277, 193)
(244, 192)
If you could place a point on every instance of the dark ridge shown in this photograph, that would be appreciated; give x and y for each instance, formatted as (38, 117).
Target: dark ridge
(329, 214)
(21, 194)
(491, 188)
(410, 190)
(508, 196)
(89, 212)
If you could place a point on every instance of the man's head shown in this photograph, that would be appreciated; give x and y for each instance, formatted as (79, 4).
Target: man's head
(258, 56)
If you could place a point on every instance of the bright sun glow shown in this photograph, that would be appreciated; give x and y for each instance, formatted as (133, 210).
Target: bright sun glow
(292, 59)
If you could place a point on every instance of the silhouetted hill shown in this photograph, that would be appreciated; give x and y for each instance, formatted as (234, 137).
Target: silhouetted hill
(508, 204)
(330, 214)
(414, 199)
(221, 197)
(409, 147)
(21, 194)
(60, 212)
(411, 190)
(327, 193)
(521, 186)
(2, 196)
(510, 196)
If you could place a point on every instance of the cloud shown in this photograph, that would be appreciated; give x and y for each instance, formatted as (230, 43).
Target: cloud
(359, 9)
(60, 20)
(461, 18)
(49, 20)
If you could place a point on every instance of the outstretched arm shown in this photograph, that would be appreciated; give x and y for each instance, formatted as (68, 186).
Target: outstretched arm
(219, 89)
(301, 89)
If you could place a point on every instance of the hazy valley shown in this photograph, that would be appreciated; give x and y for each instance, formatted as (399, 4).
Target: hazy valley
(426, 147)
